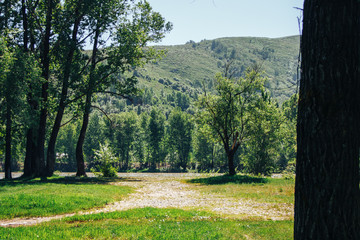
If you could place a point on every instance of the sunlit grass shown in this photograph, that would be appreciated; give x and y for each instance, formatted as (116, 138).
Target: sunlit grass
(150, 223)
(270, 190)
(21, 198)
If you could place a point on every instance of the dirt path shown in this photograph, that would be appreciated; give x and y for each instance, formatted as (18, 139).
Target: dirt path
(165, 190)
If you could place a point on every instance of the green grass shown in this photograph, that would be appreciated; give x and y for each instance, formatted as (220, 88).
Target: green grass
(270, 190)
(22, 198)
(150, 223)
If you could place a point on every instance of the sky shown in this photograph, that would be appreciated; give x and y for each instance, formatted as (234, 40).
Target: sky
(209, 19)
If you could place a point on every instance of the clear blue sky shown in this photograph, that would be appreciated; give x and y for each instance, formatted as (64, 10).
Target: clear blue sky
(209, 19)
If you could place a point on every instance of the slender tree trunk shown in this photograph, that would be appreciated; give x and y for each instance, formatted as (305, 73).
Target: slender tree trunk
(80, 144)
(8, 139)
(327, 196)
(51, 155)
(90, 88)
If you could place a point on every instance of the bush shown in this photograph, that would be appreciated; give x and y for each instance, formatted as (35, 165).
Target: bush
(105, 159)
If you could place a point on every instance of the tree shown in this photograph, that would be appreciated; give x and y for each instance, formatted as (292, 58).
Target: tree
(180, 136)
(227, 113)
(156, 135)
(94, 138)
(203, 146)
(74, 16)
(126, 128)
(262, 147)
(6, 83)
(327, 195)
(287, 149)
(130, 31)
(16, 69)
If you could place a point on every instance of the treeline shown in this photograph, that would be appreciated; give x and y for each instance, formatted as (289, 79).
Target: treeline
(147, 138)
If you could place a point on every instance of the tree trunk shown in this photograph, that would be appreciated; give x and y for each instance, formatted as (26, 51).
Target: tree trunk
(80, 144)
(90, 88)
(40, 169)
(51, 155)
(8, 142)
(29, 156)
(230, 157)
(327, 196)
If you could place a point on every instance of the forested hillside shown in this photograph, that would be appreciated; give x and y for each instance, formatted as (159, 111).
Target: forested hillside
(186, 68)
(181, 75)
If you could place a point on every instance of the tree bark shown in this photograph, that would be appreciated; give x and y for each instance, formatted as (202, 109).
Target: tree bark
(327, 196)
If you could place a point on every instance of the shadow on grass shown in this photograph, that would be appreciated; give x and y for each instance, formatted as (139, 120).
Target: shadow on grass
(62, 180)
(237, 179)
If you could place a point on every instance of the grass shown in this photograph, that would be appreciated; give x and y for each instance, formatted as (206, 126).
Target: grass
(59, 195)
(150, 223)
(270, 190)
(34, 198)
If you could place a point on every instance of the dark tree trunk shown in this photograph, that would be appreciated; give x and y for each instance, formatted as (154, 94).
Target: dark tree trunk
(51, 155)
(80, 144)
(90, 88)
(40, 169)
(327, 196)
(231, 166)
(8, 142)
(230, 153)
(30, 152)
(31, 146)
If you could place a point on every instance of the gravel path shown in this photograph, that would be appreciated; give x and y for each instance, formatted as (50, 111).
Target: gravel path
(165, 190)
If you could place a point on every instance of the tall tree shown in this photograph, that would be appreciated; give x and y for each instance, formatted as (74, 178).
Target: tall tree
(265, 136)
(39, 163)
(73, 17)
(156, 135)
(6, 84)
(180, 136)
(327, 195)
(126, 128)
(130, 29)
(227, 113)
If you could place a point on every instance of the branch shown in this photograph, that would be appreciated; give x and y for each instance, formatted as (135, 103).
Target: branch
(101, 110)
(62, 125)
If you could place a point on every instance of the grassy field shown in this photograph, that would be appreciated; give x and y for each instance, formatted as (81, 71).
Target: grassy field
(60, 195)
(150, 223)
(269, 190)
(36, 198)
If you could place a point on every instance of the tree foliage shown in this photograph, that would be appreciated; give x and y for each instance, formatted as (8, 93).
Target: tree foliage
(228, 112)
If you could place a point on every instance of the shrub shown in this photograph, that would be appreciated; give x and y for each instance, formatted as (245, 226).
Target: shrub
(105, 159)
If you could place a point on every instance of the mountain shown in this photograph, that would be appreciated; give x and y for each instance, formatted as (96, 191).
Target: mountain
(185, 67)
(179, 77)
